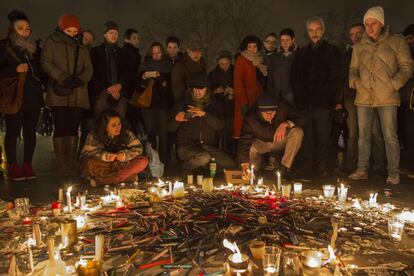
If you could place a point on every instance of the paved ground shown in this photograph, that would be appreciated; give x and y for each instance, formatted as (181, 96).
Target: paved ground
(45, 187)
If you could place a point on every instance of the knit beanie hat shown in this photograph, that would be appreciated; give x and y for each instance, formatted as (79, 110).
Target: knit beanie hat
(267, 102)
(377, 13)
(409, 30)
(16, 15)
(199, 80)
(67, 21)
(111, 25)
(224, 54)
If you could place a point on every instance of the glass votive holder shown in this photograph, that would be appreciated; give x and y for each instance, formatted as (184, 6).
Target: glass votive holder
(286, 188)
(88, 267)
(395, 229)
(238, 265)
(178, 190)
(271, 260)
(190, 180)
(291, 264)
(311, 262)
(328, 191)
(342, 193)
(297, 188)
(207, 185)
(22, 204)
(199, 179)
(257, 248)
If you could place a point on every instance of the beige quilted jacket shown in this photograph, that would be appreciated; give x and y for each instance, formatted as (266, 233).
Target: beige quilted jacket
(379, 69)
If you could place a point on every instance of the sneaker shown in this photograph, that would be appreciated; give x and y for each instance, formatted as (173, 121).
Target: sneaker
(393, 179)
(28, 171)
(15, 172)
(358, 175)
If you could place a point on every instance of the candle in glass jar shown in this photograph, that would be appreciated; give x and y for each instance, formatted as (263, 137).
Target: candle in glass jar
(190, 179)
(372, 201)
(297, 188)
(342, 193)
(328, 191)
(208, 186)
(178, 190)
(27, 221)
(56, 208)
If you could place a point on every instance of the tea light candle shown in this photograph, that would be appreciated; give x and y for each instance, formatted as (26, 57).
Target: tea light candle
(297, 188)
(342, 193)
(153, 190)
(311, 261)
(27, 221)
(178, 191)
(88, 267)
(279, 181)
(328, 191)
(69, 199)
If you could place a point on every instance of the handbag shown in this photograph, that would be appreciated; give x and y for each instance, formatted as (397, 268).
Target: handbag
(60, 89)
(143, 99)
(11, 89)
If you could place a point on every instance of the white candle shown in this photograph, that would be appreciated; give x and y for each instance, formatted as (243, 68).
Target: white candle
(297, 188)
(200, 179)
(31, 259)
(252, 175)
(190, 179)
(170, 189)
(60, 196)
(69, 199)
(99, 243)
(279, 181)
(342, 193)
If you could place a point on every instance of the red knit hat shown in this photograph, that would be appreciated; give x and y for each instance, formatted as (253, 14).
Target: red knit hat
(69, 20)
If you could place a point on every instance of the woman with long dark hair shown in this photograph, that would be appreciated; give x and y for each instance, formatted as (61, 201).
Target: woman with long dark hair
(20, 55)
(111, 154)
(69, 68)
(156, 68)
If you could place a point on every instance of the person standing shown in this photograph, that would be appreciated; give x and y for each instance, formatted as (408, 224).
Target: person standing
(20, 56)
(316, 80)
(381, 64)
(270, 46)
(68, 65)
(250, 74)
(109, 76)
(172, 44)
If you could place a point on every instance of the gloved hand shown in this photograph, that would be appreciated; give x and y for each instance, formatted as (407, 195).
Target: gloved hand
(72, 82)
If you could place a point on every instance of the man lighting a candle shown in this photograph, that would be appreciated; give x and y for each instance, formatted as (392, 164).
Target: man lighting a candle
(200, 118)
(273, 125)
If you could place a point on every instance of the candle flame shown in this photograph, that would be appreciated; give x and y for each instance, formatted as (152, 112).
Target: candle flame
(237, 258)
(357, 205)
(69, 190)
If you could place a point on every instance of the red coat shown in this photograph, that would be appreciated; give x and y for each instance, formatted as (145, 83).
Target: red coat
(247, 90)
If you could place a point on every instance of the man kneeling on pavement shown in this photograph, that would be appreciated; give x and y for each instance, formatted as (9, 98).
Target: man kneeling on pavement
(272, 125)
(197, 124)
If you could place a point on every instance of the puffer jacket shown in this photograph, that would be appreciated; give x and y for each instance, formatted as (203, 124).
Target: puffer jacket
(379, 69)
(58, 60)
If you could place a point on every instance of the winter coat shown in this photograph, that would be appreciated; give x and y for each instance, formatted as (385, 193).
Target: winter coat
(317, 76)
(379, 69)
(199, 130)
(247, 89)
(279, 68)
(182, 74)
(35, 77)
(132, 60)
(349, 93)
(255, 127)
(219, 77)
(161, 96)
(58, 58)
(101, 78)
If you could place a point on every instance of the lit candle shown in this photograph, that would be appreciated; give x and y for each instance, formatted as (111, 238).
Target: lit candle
(208, 186)
(342, 193)
(60, 196)
(260, 181)
(279, 181)
(178, 190)
(200, 179)
(120, 204)
(80, 222)
(311, 261)
(372, 201)
(170, 189)
(99, 243)
(251, 175)
(297, 188)
(27, 221)
(190, 179)
(328, 191)
(56, 208)
(69, 199)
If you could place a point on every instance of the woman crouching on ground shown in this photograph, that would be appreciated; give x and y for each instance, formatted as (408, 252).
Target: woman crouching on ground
(112, 154)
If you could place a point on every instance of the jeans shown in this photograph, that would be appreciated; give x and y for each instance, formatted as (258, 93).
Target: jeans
(388, 120)
(195, 156)
(14, 122)
(377, 140)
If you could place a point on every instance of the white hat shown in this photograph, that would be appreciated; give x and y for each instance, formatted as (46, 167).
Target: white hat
(377, 13)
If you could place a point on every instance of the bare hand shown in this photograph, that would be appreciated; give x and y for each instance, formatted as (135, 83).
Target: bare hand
(110, 157)
(180, 117)
(23, 67)
(280, 132)
(197, 112)
(121, 156)
(219, 90)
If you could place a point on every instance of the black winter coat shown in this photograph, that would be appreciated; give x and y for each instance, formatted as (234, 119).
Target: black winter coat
(101, 71)
(255, 127)
(35, 77)
(317, 76)
(132, 60)
(199, 130)
(219, 77)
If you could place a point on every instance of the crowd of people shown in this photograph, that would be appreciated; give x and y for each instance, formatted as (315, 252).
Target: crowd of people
(283, 107)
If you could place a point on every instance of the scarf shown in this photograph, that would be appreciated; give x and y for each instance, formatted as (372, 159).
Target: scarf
(257, 61)
(200, 103)
(25, 43)
(291, 49)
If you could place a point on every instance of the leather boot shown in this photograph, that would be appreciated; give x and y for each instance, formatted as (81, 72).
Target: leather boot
(59, 146)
